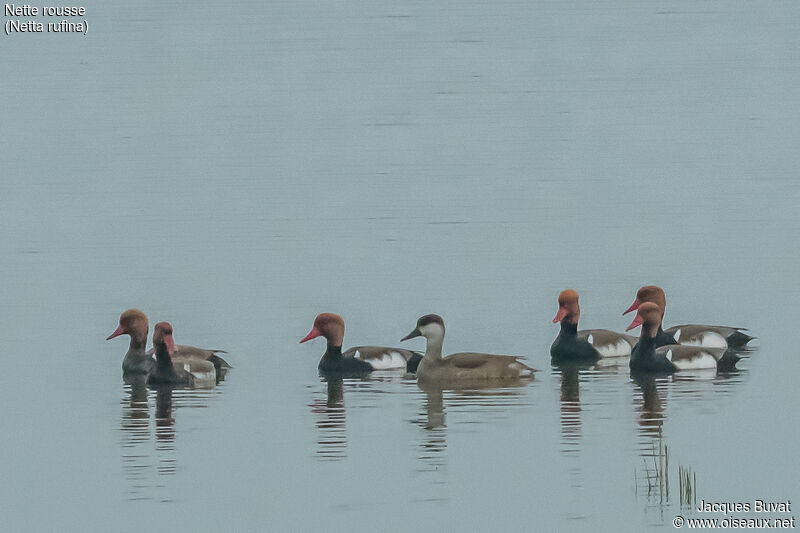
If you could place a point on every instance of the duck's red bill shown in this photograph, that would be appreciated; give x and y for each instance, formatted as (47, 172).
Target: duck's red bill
(313, 334)
(562, 312)
(117, 333)
(637, 321)
(634, 306)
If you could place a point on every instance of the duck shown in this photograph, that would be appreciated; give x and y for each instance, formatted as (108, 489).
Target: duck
(181, 351)
(358, 359)
(137, 361)
(170, 369)
(587, 345)
(461, 367)
(690, 334)
(648, 357)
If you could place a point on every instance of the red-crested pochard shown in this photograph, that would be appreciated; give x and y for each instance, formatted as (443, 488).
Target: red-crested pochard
(461, 367)
(586, 345)
(690, 334)
(172, 370)
(648, 357)
(204, 354)
(359, 359)
(134, 323)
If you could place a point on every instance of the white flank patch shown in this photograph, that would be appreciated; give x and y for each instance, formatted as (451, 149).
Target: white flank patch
(708, 339)
(205, 380)
(590, 338)
(677, 335)
(202, 380)
(357, 355)
(620, 349)
(388, 361)
(701, 360)
(669, 354)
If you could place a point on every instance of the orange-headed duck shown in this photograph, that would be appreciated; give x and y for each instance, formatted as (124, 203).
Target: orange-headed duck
(134, 323)
(587, 345)
(172, 370)
(690, 334)
(359, 359)
(648, 357)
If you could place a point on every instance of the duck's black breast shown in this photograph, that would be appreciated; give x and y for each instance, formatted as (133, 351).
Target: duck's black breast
(568, 346)
(662, 339)
(162, 370)
(334, 362)
(645, 359)
(162, 374)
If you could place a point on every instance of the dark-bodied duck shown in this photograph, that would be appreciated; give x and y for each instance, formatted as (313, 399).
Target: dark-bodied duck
(648, 357)
(359, 359)
(181, 351)
(690, 334)
(134, 323)
(587, 345)
(172, 370)
(461, 367)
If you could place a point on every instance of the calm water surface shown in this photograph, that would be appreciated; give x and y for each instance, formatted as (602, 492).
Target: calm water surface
(237, 173)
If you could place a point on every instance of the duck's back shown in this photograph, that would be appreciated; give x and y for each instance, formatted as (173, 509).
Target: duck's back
(467, 366)
(609, 343)
(699, 335)
(193, 352)
(381, 357)
(725, 331)
(691, 357)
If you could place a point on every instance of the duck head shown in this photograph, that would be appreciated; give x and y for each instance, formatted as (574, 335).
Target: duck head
(649, 317)
(328, 325)
(429, 326)
(162, 338)
(649, 293)
(568, 309)
(134, 323)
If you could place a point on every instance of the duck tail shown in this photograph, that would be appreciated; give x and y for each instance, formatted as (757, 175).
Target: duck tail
(728, 361)
(218, 362)
(525, 370)
(739, 339)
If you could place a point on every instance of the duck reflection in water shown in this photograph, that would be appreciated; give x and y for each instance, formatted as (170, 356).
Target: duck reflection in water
(135, 441)
(137, 445)
(331, 419)
(570, 401)
(480, 401)
(571, 374)
(136, 401)
(652, 477)
(433, 443)
(651, 410)
(144, 457)
(165, 430)
(165, 421)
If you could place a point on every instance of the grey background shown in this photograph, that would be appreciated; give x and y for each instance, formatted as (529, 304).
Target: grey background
(238, 169)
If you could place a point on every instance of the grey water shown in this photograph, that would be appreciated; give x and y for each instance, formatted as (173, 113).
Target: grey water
(237, 169)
